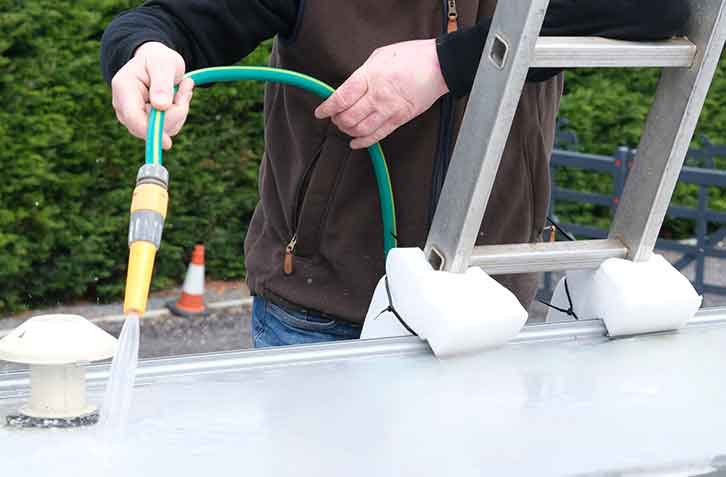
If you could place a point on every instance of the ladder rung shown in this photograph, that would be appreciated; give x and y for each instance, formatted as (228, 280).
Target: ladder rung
(565, 52)
(546, 257)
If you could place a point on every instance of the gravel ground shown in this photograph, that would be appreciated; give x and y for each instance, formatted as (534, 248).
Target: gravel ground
(216, 291)
(163, 334)
(227, 327)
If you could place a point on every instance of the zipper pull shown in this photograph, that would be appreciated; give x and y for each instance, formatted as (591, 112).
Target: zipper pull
(287, 264)
(453, 15)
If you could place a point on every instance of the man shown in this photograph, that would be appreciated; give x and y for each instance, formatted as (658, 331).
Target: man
(318, 208)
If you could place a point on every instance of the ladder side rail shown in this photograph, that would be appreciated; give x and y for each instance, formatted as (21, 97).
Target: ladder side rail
(668, 132)
(507, 55)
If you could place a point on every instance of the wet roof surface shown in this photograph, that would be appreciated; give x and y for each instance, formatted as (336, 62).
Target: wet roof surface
(637, 406)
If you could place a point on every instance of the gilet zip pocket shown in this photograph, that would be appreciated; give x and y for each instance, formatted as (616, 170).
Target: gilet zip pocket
(288, 263)
(316, 192)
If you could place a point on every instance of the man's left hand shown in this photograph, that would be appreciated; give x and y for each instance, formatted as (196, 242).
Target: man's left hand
(397, 83)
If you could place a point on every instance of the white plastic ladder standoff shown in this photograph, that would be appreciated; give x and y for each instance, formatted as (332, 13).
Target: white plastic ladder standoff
(512, 47)
(630, 297)
(444, 309)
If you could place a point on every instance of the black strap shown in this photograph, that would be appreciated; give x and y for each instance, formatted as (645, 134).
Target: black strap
(393, 310)
(570, 311)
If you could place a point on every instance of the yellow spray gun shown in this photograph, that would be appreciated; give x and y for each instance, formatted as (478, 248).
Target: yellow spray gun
(148, 211)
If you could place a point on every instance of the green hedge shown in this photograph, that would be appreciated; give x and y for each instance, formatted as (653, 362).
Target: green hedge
(607, 108)
(69, 167)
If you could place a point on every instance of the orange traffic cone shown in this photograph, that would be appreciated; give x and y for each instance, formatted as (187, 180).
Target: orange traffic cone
(191, 302)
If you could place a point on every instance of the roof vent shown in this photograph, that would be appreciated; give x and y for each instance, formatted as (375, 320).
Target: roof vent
(56, 347)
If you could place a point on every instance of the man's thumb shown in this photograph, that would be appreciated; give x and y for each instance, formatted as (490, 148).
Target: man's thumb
(165, 71)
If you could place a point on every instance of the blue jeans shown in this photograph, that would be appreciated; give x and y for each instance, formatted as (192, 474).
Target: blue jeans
(273, 325)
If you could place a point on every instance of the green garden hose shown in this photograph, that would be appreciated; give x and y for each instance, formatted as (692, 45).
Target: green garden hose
(292, 78)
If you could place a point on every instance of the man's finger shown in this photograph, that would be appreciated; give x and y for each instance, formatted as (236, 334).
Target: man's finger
(368, 126)
(137, 126)
(176, 115)
(120, 119)
(129, 104)
(380, 134)
(354, 115)
(344, 97)
(166, 142)
(162, 76)
(186, 86)
(135, 120)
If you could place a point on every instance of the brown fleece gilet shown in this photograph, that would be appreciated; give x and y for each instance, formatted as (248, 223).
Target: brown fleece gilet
(314, 187)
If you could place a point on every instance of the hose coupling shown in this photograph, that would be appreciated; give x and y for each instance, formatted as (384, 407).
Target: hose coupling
(148, 212)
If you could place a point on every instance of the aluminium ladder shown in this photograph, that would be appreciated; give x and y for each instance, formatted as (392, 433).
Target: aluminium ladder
(512, 47)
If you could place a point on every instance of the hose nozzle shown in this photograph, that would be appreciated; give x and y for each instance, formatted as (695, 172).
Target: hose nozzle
(148, 211)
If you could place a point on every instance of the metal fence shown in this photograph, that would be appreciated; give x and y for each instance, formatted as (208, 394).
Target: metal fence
(699, 170)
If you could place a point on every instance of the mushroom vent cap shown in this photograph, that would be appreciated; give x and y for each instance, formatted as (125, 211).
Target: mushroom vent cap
(57, 339)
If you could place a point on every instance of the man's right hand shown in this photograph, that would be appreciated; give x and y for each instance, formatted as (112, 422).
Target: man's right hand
(147, 80)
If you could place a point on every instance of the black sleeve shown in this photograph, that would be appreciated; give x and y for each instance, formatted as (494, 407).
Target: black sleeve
(636, 20)
(204, 32)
